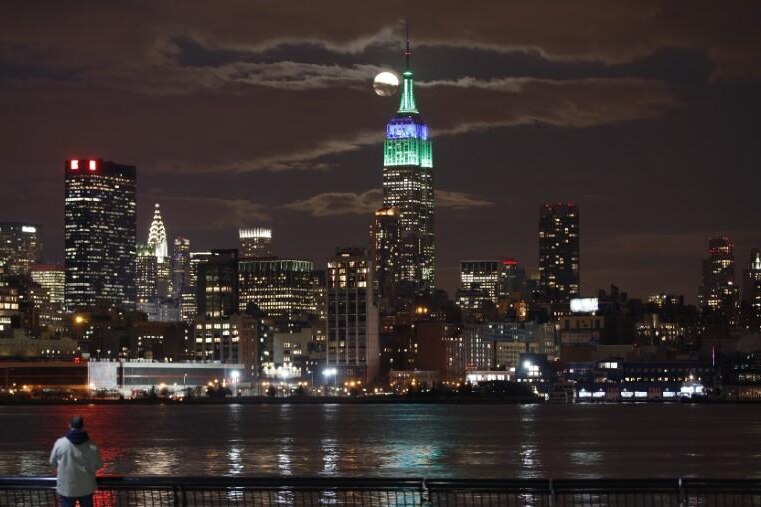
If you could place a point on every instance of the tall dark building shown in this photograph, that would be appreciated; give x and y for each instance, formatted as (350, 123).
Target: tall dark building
(385, 235)
(752, 289)
(100, 233)
(559, 252)
(146, 277)
(512, 278)
(180, 267)
(217, 284)
(20, 247)
(408, 187)
(718, 292)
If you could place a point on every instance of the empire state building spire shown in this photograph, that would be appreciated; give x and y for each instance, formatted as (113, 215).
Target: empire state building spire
(407, 104)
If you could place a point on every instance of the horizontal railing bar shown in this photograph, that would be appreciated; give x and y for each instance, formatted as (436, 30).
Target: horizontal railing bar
(544, 486)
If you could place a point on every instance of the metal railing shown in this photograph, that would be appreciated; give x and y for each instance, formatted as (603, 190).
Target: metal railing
(345, 491)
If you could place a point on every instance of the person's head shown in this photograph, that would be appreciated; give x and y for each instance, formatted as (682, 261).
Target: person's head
(77, 422)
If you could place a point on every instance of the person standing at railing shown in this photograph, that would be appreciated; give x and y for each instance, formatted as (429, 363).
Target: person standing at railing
(76, 459)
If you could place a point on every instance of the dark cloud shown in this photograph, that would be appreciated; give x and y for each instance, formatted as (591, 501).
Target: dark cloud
(339, 203)
(349, 203)
(460, 200)
(212, 213)
(475, 106)
(146, 33)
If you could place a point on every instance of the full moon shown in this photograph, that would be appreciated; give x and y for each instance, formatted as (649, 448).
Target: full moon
(386, 84)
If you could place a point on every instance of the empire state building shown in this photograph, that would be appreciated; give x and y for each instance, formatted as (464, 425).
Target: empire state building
(408, 190)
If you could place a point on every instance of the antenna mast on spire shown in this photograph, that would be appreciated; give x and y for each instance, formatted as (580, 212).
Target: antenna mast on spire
(407, 51)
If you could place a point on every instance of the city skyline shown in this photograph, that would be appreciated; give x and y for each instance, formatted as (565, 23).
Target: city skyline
(636, 133)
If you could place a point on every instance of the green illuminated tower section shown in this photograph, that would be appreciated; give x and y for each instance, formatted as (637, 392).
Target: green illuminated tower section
(408, 187)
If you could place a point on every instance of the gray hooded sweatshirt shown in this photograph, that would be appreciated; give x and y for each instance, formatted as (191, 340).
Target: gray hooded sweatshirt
(76, 464)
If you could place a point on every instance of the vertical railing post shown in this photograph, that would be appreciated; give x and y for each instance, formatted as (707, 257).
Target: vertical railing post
(682, 494)
(180, 498)
(552, 493)
(425, 493)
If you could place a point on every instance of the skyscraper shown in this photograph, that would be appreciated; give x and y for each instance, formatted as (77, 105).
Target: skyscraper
(157, 235)
(100, 233)
(180, 267)
(559, 252)
(408, 187)
(385, 243)
(752, 289)
(20, 247)
(217, 284)
(284, 289)
(717, 291)
(352, 326)
(512, 278)
(255, 242)
(157, 241)
(146, 279)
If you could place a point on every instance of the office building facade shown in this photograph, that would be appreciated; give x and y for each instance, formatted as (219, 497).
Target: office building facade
(752, 290)
(385, 237)
(146, 279)
(255, 242)
(217, 284)
(284, 289)
(352, 348)
(559, 244)
(100, 233)
(180, 266)
(52, 278)
(718, 292)
(20, 247)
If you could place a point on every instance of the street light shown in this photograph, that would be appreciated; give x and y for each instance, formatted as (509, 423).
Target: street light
(235, 375)
(330, 372)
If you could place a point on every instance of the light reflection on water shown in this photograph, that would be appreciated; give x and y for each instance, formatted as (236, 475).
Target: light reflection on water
(155, 461)
(284, 457)
(330, 456)
(398, 440)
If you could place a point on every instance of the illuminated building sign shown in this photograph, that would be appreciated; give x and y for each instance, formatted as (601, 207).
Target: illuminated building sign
(407, 143)
(74, 165)
(406, 130)
(584, 305)
(28, 228)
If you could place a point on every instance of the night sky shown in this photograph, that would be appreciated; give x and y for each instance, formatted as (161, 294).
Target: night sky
(246, 113)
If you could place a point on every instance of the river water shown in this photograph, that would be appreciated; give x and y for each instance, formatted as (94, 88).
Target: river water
(405, 440)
